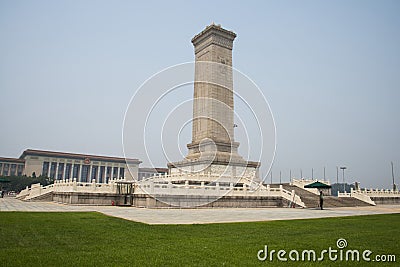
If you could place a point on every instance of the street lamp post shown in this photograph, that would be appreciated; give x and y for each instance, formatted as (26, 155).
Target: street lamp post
(394, 184)
(344, 187)
(337, 175)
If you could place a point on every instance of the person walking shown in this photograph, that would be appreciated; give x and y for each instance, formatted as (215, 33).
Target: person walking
(321, 200)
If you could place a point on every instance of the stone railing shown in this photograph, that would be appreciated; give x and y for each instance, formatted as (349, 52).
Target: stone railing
(200, 177)
(24, 193)
(93, 187)
(303, 182)
(168, 188)
(379, 192)
(163, 185)
(68, 186)
(366, 194)
(38, 190)
(358, 195)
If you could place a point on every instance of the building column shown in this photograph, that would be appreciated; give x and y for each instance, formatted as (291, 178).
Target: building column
(112, 172)
(48, 169)
(79, 172)
(98, 174)
(65, 167)
(90, 173)
(56, 173)
(71, 178)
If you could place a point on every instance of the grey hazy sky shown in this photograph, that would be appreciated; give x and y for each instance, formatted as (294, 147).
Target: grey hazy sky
(330, 71)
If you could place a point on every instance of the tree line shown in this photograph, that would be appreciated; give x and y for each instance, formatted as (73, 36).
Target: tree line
(18, 183)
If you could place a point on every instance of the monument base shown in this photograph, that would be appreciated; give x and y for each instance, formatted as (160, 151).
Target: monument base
(178, 201)
(235, 169)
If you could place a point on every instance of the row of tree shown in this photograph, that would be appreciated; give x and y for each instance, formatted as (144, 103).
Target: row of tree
(18, 183)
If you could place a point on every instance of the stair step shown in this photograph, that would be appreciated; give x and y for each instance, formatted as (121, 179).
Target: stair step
(312, 200)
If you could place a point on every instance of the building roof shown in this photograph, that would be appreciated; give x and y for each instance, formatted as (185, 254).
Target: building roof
(12, 160)
(317, 185)
(44, 153)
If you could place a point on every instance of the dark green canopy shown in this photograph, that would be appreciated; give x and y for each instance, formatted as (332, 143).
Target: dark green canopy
(4, 180)
(317, 185)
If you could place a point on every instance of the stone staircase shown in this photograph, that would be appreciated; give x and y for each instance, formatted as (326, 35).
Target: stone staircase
(312, 201)
(48, 196)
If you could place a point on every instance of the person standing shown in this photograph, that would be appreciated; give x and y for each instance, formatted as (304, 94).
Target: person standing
(321, 200)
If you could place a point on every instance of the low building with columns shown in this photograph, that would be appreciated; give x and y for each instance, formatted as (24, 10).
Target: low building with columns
(62, 166)
(11, 166)
(150, 172)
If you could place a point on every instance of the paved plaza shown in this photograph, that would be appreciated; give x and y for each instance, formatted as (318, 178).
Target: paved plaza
(201, 215)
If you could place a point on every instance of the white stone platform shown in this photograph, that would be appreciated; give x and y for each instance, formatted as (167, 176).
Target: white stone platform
(197, 216)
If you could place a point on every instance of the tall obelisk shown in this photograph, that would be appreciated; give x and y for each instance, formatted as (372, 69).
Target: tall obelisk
(213, 149)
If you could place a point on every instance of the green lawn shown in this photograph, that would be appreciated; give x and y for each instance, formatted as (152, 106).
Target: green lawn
(93, 239)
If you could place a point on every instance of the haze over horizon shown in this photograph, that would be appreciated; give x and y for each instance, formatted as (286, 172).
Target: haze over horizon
(330, 72)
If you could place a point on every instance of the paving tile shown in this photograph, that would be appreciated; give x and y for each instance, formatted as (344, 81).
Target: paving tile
(196, 216)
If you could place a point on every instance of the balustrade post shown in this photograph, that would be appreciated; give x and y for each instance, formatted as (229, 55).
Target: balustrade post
(151, 187)
(93, 185)
(74, 185)
(169, 187)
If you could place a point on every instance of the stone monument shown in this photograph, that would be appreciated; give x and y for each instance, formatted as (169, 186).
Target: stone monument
(213, 150)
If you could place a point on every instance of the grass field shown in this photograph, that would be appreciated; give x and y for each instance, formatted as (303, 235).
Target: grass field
(93, 239)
